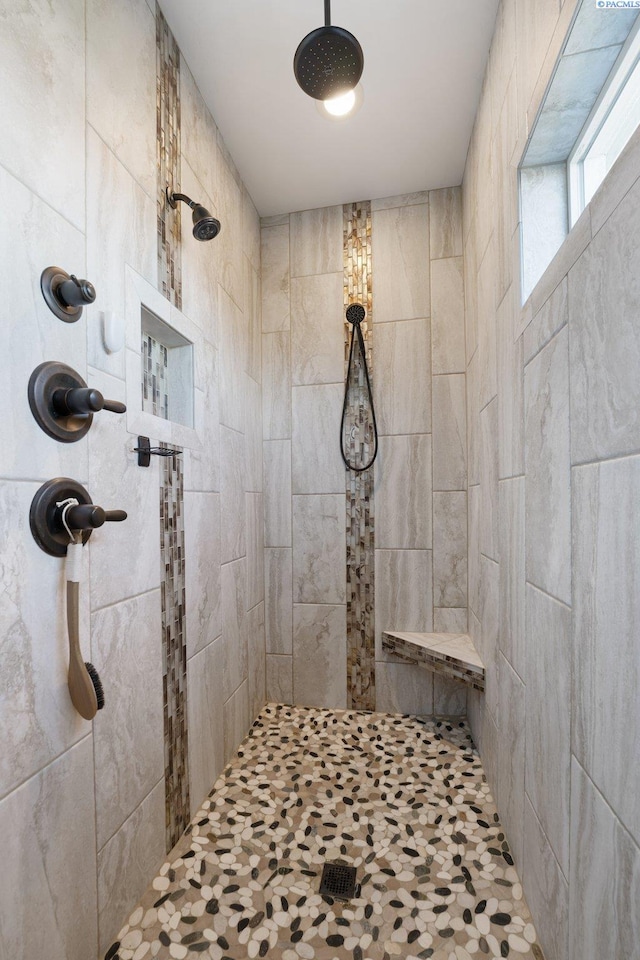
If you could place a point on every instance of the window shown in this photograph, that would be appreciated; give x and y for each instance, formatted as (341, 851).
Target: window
(608, 129)
(590, 110)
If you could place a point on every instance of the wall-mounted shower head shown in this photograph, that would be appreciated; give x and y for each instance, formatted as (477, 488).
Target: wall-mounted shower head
(355, 313)
(205, 226)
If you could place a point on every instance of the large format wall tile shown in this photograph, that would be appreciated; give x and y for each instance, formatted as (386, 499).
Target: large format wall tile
(279, 679)
(204, 702)
(255, 549)
(124, 556)
(276, 386)
(449, 417)
(44, 101)
(37, 719)
(548, 482)
(233, 527)
(278, 588)
(403, 493)
(198, 136)
(32, 237)
(548, 728)
(275, 278)
(547, 889)
(487, 348)
(126, 644)
(445, 208)
(121, 92)
(319, 549)
(202, 467)
(606, 542)
(605, 878)
(49, 907)
(403, 688)
(450, 549)
(447, 316)
(121, 229)
(234, 625)
(316, 241)
(202, 569)
(236, 720)
(127, 861)
(317, 465)
(401, 379)
(450, 619)
(403, 594)
(509, 786)
(257, 661)
(400, 253)
(510, 391)
(233, 352)
(253, 435)
(277, 493)
(317, 329)
(320, 655)
(604, 290)
(489, 538)
(512, 573)
(449, 697)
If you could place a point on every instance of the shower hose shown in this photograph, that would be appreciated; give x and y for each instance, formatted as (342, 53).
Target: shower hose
(355, 316)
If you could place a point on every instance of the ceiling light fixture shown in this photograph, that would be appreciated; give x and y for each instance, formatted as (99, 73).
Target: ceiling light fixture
(342, 107)
(329, 61)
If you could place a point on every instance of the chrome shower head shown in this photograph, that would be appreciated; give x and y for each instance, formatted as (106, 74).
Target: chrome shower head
(205, 226)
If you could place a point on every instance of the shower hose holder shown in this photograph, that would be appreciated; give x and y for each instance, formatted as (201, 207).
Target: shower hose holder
(55, 518)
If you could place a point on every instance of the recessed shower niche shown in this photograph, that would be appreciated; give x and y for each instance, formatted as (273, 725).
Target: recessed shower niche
(167, 370)
(165, 378)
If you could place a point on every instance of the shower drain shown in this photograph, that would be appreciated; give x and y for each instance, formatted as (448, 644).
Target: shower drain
(338, 881)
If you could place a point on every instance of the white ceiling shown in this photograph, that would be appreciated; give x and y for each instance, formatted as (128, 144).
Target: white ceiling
(423, 66)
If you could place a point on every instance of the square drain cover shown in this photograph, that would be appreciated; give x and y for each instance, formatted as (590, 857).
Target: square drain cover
(339, 881)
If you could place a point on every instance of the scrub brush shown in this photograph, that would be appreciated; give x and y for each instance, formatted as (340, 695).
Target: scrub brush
(85, 686)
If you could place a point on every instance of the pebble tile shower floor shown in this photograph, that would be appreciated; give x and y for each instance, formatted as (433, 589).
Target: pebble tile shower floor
(402, 799)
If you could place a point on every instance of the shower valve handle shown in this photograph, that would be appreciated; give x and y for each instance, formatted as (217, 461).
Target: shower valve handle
(76, 293)
(82, 401)
(88, 516)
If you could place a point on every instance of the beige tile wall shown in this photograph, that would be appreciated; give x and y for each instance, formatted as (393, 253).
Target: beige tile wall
(553, 440)
(82, 806)
(420, 476)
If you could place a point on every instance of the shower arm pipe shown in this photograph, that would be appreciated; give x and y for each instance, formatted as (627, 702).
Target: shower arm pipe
(327, 13)
(174, 197)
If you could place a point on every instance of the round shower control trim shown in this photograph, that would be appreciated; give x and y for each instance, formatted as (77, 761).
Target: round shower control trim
(62, 404)
(49, 519)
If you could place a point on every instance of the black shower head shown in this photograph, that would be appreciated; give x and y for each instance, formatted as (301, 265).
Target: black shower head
(205, 226)
(329, 61)
(355, 313)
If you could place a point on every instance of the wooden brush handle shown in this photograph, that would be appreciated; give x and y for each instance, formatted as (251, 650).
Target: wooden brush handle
(81, 686)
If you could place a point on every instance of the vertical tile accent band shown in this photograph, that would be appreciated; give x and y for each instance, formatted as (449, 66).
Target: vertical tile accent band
(168, 147)
(174, 648)
(361, 683)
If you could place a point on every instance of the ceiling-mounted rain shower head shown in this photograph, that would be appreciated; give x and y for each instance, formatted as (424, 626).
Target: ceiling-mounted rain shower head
(205, 227)
(329, 61)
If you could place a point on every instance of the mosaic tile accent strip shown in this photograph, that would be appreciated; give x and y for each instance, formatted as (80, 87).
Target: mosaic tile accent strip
(168, 146)
(452, 654)
(155, 388)
(404, 800)
(174, 647)
(361, 686)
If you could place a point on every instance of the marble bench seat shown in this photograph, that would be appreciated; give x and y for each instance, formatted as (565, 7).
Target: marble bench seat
(452, 654)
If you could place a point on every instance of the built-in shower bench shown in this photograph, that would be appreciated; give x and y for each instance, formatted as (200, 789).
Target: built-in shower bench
(452, 654)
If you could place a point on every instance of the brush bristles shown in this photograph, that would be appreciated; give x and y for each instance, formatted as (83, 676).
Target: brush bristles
(97, 684)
